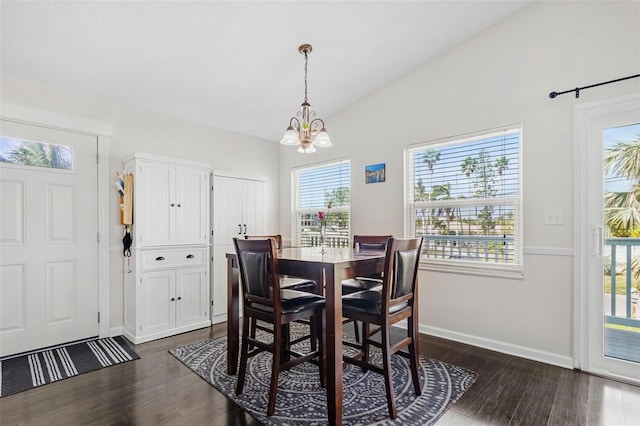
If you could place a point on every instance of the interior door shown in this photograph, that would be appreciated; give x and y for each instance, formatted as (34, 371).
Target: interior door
(611, 344)
(48, 237)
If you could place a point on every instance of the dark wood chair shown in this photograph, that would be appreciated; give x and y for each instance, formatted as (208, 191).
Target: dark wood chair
(397, 301)
(352, 285)
(264, 300)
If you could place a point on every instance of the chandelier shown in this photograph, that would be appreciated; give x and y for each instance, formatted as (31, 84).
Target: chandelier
(304, 130)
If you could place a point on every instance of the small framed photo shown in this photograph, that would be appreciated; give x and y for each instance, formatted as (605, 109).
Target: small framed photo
(374, 173)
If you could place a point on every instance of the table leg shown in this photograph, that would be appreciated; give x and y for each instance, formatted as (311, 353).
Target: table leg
(233, 314)
(333, 295)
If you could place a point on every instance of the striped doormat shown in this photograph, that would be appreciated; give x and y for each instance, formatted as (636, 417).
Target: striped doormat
(34, 369)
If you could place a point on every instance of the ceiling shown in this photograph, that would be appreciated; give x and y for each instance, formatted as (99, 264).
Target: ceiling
(234, 64)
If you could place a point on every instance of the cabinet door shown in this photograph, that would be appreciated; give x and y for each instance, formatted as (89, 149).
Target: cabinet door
(192, 296)
(191, 205)
(154, 195)
(156, 302)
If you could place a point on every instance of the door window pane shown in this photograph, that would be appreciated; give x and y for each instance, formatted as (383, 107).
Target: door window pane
(36, 154)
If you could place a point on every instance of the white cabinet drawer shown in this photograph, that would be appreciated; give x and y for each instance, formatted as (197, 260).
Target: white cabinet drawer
(190, 256)
(152, 260)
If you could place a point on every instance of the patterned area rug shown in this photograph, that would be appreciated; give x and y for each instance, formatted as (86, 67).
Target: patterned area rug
(301, 400)
(40, 368)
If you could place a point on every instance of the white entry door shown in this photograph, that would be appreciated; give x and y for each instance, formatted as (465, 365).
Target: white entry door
(48, 237)
(610, 340)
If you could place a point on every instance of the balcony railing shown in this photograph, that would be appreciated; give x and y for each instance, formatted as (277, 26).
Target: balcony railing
(622, 309)
(484, 248)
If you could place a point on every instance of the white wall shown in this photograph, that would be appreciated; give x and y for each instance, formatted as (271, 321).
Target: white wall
(500, 77)
(137, 130)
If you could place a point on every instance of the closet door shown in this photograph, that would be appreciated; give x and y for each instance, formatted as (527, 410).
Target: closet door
(238, 206)
(253, 207)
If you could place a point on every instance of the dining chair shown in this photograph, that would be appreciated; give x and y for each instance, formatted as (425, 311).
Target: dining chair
(264, 300)
(395, 302)
(352, 285)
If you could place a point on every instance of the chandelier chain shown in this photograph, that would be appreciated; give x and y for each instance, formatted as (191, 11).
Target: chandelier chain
(306, 61)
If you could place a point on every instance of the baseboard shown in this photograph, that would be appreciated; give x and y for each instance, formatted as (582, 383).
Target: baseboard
(116, 331)
(217, 319)
(502, 347)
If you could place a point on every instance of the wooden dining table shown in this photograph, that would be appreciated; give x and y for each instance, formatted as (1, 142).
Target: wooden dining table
(328, 268)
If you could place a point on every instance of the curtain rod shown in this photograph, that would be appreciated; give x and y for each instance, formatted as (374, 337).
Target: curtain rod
(578, 89)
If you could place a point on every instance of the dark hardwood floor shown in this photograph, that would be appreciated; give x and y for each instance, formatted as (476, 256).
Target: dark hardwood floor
(158, 390)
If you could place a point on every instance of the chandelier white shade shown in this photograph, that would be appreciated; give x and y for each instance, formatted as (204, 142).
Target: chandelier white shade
(304, 130)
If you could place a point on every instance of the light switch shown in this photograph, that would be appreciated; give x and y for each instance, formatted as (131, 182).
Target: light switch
(553, 217)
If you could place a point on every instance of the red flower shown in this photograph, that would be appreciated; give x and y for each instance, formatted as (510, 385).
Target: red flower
(320, 215)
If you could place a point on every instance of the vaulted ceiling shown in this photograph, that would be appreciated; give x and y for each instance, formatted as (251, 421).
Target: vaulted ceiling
(233, 64)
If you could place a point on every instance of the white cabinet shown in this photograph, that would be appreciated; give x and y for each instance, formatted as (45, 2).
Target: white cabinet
(166, 292)
(171, 202)
(166, 279)
(238, 210)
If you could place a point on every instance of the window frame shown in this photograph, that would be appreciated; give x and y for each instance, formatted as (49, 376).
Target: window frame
(459, 266)
(296, 236)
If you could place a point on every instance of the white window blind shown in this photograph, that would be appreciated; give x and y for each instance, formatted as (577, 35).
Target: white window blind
(314, 187)
(463, 196)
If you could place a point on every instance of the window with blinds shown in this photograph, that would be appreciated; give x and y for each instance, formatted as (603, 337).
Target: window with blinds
(463, 196)
(315, 188)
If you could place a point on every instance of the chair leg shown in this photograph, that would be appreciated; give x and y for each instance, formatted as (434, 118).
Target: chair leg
(386, 366)
(356, 332)
(244, 353)
(413, 356)
(275, 369)
(366, 327)
(321, 349)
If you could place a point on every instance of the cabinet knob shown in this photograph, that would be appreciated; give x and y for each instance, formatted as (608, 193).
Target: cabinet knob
(173, 299)
(173, 205)
(179, 205)
(190, 256)
(179, 297)
(159, 258)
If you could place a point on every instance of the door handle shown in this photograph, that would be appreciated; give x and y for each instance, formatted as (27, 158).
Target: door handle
(245, 228)
(597, 241)
(239, 229)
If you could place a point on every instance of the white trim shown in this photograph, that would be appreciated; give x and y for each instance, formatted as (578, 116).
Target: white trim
(235, 175)
(38, 116)
(21, 112)
(161, 159)
(104, 294)
(502, 347)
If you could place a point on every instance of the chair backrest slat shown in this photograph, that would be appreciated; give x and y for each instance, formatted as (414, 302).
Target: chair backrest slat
(276, 237)
(370, 242)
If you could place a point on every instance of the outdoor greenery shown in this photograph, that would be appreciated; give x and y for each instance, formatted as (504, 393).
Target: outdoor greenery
(483, 174)
(39, 154)
(622, 209)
